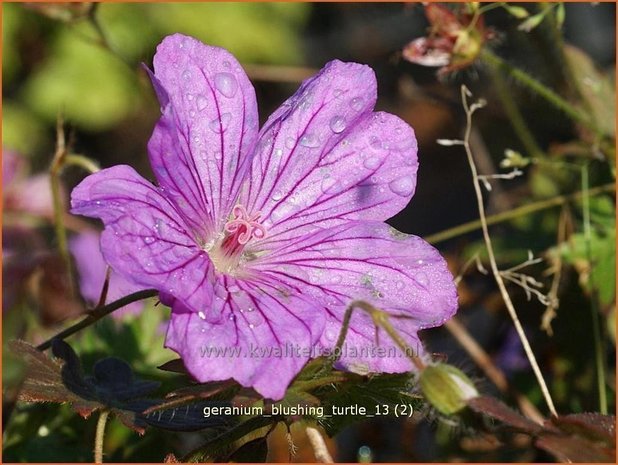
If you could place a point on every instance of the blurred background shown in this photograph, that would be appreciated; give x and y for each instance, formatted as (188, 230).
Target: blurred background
(83, 61)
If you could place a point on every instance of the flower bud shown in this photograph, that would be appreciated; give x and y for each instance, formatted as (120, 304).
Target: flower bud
(446, 388)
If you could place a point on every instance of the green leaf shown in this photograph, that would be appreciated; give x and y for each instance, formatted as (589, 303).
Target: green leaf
(88, 84)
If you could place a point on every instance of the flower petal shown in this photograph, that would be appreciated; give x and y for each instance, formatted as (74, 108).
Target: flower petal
(324, 158)
(263, 340)
(201, 147)
(370, 261)
(145, 239)
(86, 250)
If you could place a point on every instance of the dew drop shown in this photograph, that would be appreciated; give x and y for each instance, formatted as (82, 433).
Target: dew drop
(402, 186)
(201, 102)
(226, 64)
(337, 92)
(330, 334)
(329, 185)
(422, 279)
(371, 163)
(219, 125)
(337, 124)
(290, 142)
(356, 103)
(277, 195)
(218, 155)
(189, 97)
(278, 152)
(336, 279)
(226, 84)
(201, 315)
(149, 239)
(375, 143)
(309, 140)
(399, 285)
(186, 74)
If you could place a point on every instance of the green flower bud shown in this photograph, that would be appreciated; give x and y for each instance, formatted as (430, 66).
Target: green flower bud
(446, 388)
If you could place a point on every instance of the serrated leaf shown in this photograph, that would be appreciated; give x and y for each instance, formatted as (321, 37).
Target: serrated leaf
(496, 409)
(112, 386)
(594, 426)
(575, 449)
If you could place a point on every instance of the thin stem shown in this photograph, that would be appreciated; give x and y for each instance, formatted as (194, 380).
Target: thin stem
(515, 213)
(540, 89)
(100, 435)
(515, 117)
(54, 177)
(83, 162)
(492, 259)
(596, 326)
(99, 313)
(381, 320)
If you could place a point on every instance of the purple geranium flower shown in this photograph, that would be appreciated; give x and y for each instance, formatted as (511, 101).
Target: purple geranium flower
(260, 240)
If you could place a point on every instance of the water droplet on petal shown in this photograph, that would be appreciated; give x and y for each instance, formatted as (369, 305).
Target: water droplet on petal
(356, 103)
(226, 64)
(202, 102)
(337, 124)
(402, 186)
(219, 125)
(186, 74)
(371, 163)
(189, 97)
(290, 142)
(217, 155)
(337, 92)
(278, 152)
(226, 84)
(399, 285)
(201, 315)
(422, 279)
(309, 140)
(336, 279)
(277, 195)
(375, 143)
(149, 239)
(329, 185)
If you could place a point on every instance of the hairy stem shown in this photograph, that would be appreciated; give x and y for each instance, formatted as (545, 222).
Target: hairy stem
(515, 117)
(516, 213)
(490, 252)
(540, 89)
(381, 320)
(100, 436)
(98, 313)
(594, 307)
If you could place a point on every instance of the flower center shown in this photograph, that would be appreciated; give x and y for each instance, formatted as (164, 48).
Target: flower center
(238, 231)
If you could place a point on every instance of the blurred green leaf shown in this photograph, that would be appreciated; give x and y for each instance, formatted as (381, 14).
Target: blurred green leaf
(21, 130)
(88, 84)
(253, 32)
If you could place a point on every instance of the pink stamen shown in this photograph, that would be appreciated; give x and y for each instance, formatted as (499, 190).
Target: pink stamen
(242, 228)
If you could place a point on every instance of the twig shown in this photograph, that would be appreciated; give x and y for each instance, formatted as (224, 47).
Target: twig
(319, 446)
(100, 435)
(515, 213)
(470, 109)
(98, 313)
(550, 312)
